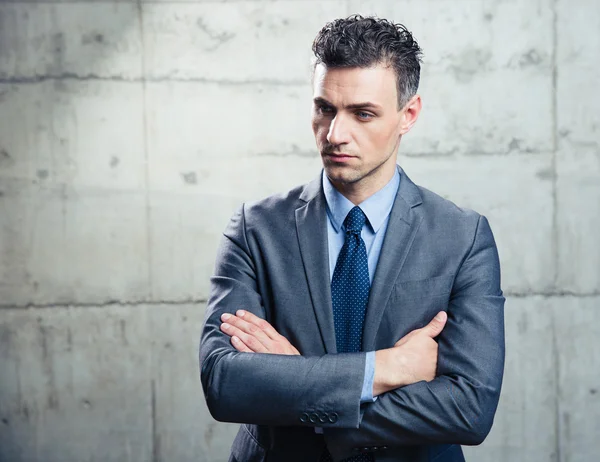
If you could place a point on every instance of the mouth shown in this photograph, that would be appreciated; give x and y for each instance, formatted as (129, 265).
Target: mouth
(341, 157)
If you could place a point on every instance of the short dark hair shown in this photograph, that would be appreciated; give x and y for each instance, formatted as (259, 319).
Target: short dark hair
(358, 41)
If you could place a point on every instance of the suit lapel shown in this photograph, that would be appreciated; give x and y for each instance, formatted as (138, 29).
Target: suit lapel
(311, 227)
(399, 236)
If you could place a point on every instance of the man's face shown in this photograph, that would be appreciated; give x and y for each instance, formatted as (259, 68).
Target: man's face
(356, 122)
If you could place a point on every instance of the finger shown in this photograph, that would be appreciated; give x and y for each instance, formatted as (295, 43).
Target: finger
(249, 340)
(435, 327)
(277, 343)
(239, 345)
(260, 323)
(248, 328)
(407, 337)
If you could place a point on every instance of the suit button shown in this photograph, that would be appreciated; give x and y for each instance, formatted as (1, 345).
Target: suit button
(304, 418)
(314, 417)
(333, 417)
(323, 418)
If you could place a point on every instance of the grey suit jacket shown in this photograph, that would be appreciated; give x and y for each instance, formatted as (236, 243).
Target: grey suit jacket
(273, 261)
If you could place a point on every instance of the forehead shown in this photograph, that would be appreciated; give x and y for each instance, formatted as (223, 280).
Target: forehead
(348, 85)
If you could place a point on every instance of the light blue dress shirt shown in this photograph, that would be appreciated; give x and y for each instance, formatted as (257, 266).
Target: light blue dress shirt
(377, 209)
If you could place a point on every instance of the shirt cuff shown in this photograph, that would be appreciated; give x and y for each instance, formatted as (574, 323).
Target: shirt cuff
(367, 390)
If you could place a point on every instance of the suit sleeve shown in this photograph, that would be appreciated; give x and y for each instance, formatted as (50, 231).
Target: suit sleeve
(267, 389)
(458, 406)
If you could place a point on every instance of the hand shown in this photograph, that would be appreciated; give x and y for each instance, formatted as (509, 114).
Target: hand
(251, 334)
(413, 358)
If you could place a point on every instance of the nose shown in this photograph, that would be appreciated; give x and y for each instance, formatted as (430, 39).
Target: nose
(339, 132)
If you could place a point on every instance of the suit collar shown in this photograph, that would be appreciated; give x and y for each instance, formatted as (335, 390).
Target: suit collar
(311, 229)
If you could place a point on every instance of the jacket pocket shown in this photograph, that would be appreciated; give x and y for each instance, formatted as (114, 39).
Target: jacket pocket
(245, 447)
(422, 288)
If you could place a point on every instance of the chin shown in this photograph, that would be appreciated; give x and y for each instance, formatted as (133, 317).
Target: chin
(342, 174)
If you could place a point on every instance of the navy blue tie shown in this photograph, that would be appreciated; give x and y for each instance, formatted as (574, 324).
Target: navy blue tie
(350, 287)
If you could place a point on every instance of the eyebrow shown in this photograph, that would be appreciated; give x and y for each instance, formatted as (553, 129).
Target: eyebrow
(365, 105)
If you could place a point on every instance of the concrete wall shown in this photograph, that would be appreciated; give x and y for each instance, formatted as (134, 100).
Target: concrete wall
(129, 132)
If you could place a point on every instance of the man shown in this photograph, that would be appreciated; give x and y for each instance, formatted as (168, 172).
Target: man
(359, 317)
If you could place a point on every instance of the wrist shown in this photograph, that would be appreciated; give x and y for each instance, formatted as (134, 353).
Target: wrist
(390, 372)
(382, 381)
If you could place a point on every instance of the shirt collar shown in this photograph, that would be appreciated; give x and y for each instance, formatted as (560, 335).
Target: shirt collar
(376, 207)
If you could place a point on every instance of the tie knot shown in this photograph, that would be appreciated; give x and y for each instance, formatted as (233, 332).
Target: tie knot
(355, 220)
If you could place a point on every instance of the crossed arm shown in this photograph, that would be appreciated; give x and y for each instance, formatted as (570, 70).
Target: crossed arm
(455, 406)
(412, 359)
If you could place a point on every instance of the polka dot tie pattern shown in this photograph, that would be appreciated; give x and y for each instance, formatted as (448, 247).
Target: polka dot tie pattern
(350, 287)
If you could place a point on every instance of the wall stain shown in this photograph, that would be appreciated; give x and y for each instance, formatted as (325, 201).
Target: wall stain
(470, 63)
(545, 174)
(123, 329)
(24, 411)
(190, 178)
(5, 340)
(155, 433)
(217, 38)
(5, 159)
(52, 401)
(531, 58)
(93, 37)
(522, 324)
(209, 433)
(57, 42)
(114, 161)
(515, 144)
(52, 394)
(42, 174)
(69, 340)
(564, 133)
(295, 151)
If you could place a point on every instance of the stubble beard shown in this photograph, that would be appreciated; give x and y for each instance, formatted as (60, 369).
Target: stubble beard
(347, 175)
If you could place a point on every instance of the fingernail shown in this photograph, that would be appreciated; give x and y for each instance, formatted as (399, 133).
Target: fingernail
(235, 339)
(241, 313)
(225, 316)
(440, 316)
(225, 326)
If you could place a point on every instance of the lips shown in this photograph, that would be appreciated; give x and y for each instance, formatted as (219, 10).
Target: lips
(340, 157)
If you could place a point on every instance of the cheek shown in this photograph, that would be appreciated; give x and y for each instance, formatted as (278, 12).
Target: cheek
(383, 137)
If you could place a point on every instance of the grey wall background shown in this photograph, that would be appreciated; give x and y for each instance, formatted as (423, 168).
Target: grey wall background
(130, 131)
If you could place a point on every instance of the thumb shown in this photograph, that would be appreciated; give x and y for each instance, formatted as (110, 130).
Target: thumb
(435, 327)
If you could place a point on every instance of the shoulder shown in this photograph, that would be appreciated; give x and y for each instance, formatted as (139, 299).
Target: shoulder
(277, 211)
(442, 208)
(443, 220)
(275, 206)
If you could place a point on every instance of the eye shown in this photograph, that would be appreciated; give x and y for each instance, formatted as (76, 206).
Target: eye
(364, 115)
(325, 109)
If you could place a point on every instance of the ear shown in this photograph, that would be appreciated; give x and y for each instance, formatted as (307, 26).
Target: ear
(410, 114)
